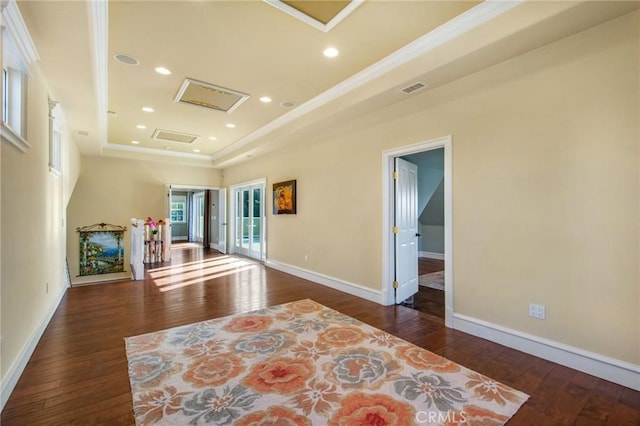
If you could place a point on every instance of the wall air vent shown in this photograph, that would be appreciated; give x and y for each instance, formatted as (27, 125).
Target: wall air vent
(206, 95)
(169, 136)
(414, 88)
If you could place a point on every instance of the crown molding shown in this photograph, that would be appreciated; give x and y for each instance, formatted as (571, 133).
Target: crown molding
(472, 18)
(156, 152)
(13, 22)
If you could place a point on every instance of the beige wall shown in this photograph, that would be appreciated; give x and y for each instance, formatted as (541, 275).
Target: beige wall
(115, 190)
(545, 190)
(33, 228)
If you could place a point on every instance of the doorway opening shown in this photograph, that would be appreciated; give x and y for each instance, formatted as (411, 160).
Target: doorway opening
(248, 219)
(417, 241)
(198, 215)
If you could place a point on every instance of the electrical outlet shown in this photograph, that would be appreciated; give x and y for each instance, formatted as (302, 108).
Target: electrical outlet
(537, 311)
(306, 258)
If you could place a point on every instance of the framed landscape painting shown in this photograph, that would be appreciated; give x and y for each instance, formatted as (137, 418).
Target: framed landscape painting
(284, 197)
(101, 249)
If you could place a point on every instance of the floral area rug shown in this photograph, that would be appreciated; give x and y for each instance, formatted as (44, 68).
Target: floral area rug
(302, 363)
(432, 280)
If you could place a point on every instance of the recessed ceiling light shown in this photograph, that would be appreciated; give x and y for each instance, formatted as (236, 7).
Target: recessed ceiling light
(330, 52)
(287, 104)
(230, 125)
(212, 138)
(148, 109)
(135, 142)
(141, 126)
(127, 60)
(265, 99)
(163, 71)
(196, 150)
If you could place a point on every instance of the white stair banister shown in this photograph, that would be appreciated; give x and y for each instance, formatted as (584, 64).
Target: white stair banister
(137, 249)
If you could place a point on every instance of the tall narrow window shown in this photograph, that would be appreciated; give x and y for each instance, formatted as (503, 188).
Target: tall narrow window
(55, 138)
(18, 51)
(5, 98)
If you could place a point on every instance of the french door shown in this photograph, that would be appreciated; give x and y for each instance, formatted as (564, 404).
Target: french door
(249, 215)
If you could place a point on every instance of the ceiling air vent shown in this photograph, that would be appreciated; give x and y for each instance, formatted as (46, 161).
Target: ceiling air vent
(169, 136)
(414, 88)
(205, 95)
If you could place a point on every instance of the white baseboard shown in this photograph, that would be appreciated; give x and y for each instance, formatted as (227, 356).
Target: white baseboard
(20, 362)
(604, 367)
(431, 255)
(97, 279)
(335, 283)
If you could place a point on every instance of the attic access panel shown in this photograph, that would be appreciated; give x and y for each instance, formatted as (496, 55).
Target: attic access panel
(321, 14)
(206, 95)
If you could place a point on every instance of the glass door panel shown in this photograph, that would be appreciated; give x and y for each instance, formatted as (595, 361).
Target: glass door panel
(246, 220)
(256, 225)
(238, 218)
(196, 227)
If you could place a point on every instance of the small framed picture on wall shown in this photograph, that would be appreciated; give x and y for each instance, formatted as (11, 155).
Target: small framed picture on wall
(284, 197)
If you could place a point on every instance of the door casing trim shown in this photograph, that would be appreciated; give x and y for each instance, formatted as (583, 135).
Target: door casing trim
(231, 219)
(387, 218)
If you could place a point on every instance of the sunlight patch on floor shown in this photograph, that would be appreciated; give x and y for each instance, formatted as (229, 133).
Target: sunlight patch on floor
(202, 279)
(190, 266)
(205, 270)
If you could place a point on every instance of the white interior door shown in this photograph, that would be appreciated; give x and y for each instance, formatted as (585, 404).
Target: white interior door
(222, 220)
(406, 223)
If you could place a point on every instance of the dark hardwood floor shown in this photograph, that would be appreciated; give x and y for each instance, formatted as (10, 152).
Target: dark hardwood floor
(427, 266)
(78, 372)
(428, 300)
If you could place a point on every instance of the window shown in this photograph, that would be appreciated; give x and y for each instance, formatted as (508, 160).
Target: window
(14, 85)
(178, 214)
(5, 99)
(55, 138)
(18, 51)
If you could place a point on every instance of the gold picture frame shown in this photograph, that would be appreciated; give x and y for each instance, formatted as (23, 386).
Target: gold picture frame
(284, 197)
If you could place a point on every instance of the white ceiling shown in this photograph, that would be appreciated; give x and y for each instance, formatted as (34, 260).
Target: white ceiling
(254, 48)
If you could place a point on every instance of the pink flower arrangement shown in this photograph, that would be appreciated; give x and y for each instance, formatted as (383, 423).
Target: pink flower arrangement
(153, 226)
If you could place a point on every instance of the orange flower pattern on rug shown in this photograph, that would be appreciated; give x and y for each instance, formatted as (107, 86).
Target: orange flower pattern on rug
(342, 336)
(374, 410)
(281, 375)
(248, 324)
(274, 416)
(213, 370)
(302, 363)
(419, 358)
